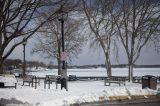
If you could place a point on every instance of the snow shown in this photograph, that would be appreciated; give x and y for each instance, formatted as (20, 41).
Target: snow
(8, 80)
(78, 91)
(99, 72)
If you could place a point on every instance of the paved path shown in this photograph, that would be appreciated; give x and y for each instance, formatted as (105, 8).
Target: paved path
(138, 102)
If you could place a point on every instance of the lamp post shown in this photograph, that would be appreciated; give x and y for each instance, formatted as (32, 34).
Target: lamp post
(64, 70)
(24, 57)
(62, 31)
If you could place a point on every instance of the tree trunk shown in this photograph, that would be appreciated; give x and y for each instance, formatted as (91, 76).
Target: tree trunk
(130, 71)
(59, 56)
(109, 72)
(59, 67)
(1, 61)
(1, 67)
(108, 66)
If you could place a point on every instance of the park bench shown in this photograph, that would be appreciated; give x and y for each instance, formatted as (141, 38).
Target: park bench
(72, 78)
(49, 79)
(30, 79)
(158, 78)
(8, 80)
(115, 79)
(137, 79)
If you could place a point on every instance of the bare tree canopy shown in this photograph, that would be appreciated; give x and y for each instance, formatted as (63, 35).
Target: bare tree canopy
(48, 43)
(132, 22)
(102, 26)
(49, 38)
(18, 21)
(137, 23)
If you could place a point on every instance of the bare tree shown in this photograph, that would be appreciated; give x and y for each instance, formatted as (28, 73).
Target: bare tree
(18, 23)
(49, 40)
(137, 22)
(102, 27)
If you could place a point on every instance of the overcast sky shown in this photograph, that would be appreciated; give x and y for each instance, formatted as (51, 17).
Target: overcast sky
(89, 57)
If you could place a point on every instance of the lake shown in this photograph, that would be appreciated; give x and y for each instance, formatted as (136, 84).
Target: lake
(99, 72)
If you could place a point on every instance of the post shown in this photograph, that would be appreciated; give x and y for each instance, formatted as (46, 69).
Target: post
(64, 71)
(24, 60)
(62, 21)
(24, 57)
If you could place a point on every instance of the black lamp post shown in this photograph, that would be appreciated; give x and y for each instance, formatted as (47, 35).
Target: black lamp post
(64, 70)
(62, 31)
(24, 57)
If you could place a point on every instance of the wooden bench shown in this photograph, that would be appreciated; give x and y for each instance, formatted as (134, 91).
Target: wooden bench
(30, 79)
(27, 79)
(49, 79)
(115, 79)
(8, 80)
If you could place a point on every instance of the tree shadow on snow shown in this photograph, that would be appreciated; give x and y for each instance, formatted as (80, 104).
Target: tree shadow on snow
(13, 101)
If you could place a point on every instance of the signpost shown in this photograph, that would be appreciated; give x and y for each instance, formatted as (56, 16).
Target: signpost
(63, 56)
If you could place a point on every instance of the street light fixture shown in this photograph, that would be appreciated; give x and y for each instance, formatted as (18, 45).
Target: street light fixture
(24, 56)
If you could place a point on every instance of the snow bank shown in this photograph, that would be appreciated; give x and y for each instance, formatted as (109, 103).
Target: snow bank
(79, 92)
(7, 78)
(109, 94)
(134, 91)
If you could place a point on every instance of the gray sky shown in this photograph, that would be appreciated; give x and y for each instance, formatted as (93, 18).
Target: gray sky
(89, 57)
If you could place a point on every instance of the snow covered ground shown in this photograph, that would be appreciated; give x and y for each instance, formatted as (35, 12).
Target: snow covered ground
(78, 91)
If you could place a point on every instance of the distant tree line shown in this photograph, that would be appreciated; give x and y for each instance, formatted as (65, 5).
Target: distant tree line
(113, 66)
(10, 64)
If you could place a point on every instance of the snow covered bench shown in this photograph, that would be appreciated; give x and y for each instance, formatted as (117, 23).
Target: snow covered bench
(8, 80)
(115, 79)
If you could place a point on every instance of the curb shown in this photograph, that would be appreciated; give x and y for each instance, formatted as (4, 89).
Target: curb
(132, 97)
